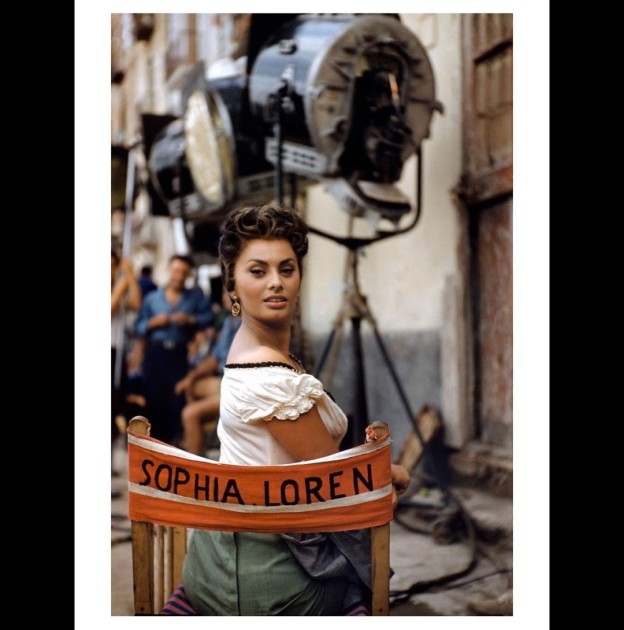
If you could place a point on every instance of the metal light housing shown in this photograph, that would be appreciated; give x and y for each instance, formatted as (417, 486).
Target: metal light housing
(356, 93)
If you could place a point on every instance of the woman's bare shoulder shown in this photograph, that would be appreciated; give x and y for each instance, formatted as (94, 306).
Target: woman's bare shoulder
(257, 354)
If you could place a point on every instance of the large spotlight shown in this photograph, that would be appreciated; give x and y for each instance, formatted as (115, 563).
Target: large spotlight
(353, 96)
(193, 158)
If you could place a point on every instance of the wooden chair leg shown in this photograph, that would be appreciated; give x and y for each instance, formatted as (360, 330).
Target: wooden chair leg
(380, 567)
(179, 551)
(174, 558)
(143, 567)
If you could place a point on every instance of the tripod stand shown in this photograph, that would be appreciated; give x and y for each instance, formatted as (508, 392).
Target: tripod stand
(355, 308)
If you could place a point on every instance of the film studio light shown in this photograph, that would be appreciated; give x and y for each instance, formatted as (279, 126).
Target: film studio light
(353, 96)
(341, 99)
(201, 163)
(191, 159)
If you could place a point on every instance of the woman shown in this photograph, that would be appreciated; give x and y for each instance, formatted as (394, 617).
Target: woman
(272, 412)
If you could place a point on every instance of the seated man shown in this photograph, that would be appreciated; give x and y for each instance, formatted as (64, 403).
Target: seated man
(202, 386)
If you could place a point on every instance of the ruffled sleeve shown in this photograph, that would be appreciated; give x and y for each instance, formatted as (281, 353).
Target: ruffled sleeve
(281, 394)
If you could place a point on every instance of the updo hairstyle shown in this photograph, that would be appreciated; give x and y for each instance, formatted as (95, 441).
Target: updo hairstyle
(270, 221)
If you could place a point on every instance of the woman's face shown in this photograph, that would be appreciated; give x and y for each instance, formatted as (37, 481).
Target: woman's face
(267, 279)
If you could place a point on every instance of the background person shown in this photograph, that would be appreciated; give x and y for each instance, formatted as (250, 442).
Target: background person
(202, 386)
(125, 291)
(167, 321)
(145, 280)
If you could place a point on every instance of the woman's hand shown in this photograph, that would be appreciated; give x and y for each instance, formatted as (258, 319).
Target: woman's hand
(400, 482)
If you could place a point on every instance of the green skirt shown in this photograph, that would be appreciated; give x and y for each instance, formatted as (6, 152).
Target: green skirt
(247, 574)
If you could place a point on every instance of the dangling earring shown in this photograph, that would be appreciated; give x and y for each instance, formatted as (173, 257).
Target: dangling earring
(236, 307)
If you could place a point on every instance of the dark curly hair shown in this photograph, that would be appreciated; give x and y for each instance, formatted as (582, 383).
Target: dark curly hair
(270, 221)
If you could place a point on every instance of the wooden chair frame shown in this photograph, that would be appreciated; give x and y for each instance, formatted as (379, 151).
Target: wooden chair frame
(158, 553)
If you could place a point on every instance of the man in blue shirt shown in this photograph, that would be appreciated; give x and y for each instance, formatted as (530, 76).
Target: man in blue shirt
(168, 320)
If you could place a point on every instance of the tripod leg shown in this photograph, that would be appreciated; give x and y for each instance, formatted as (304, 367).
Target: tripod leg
(361, 407)
(326, 349)
(397, 382)
(435, 462)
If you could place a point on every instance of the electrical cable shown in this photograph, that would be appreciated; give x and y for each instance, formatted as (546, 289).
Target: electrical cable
(401, 596)
(449, 587)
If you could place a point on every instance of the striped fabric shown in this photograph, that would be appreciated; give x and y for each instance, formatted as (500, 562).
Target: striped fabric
(179, 605)
(361, 610)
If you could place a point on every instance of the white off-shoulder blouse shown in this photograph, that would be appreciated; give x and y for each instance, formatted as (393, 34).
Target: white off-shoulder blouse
(252, 394)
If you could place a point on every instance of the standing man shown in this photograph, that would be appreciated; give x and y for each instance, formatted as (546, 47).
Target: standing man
(167, 321)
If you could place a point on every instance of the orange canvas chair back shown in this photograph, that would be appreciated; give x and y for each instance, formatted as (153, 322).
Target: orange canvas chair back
(170, 490)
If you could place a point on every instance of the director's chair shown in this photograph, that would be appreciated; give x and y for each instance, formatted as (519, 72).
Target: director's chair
(163, 501)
